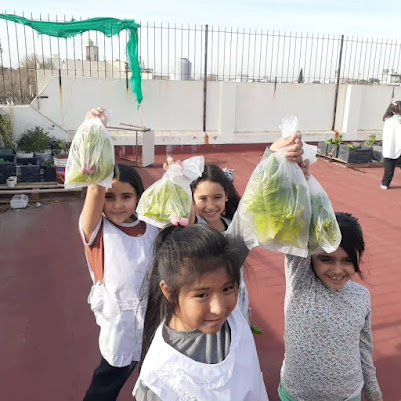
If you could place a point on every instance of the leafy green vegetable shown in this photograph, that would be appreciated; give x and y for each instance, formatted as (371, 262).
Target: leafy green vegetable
(277, 207)
(164, 201)
(323, 230)
(93, 155)
(256, 329)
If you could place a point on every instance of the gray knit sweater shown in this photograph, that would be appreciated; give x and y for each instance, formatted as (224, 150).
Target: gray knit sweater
(328, 339)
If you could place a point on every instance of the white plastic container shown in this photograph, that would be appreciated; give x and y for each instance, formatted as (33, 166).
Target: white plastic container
(11, 181)
(19, 201)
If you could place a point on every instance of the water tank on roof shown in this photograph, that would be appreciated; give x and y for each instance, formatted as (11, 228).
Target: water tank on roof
(183, 69)
(92, 51)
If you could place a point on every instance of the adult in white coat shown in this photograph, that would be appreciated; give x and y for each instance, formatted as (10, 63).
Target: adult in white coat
(391, 142)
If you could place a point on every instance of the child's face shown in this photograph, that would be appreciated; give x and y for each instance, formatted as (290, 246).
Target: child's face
(207, 305)
(334, 269)
(120, 202)
(210, 201)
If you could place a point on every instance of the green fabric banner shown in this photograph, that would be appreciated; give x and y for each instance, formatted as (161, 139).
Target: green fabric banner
(109, 26)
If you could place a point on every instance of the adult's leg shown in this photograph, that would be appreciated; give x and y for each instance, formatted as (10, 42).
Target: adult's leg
(389, 166)
(107, 381)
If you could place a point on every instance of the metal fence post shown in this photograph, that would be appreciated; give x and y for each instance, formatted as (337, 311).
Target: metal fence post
(205, 80)
(338, 81)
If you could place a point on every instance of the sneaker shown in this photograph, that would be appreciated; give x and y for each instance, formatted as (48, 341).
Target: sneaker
(383, 186)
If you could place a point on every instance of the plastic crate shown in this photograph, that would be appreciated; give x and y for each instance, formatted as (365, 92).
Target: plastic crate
(19, 201)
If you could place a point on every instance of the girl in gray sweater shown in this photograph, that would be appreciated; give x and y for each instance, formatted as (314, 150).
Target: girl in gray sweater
(328, 338)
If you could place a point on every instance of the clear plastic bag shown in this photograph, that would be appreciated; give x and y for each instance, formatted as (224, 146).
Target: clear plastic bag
(324, 233)
(274, 212)
(91, 156)
(169, 200)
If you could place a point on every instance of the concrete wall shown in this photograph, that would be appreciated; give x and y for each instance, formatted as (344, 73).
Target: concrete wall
(237, 112)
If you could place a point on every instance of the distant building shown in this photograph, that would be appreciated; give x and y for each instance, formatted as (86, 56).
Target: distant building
(391, 77)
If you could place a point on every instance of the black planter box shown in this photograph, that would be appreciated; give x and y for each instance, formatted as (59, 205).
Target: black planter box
(322, 148)
(6, 170)
(378, 153)
(360, 155)
(8, 158)
(49, 174)
(30, 173)
(24, 161)
(332, 150)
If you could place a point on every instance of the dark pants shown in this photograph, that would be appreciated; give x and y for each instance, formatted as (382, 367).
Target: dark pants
(389, 167)
(107, 381)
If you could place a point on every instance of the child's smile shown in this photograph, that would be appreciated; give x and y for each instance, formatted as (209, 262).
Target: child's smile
(210, 202)
(120, 202)
(334, 269)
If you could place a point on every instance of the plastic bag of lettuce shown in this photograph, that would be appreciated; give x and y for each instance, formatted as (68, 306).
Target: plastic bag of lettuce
(275, 210)
(91, 156)
(169, 200)
(324, 233)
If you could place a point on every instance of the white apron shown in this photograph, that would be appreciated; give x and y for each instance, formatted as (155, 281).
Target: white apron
(172, 376)
(116, 303)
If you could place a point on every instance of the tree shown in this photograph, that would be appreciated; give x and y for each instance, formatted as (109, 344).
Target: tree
(301, 77)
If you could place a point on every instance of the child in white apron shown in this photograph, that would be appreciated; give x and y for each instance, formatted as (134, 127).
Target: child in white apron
(328, 336)
(197, 344)
(117, 249)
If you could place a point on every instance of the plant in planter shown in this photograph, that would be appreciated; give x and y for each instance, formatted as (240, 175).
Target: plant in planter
(333, 145)
(6, 132)
(60, 160)
(330, 146)
(34, 140)
(7, 169)
(355, 153)
(376, 147)
(49, 170)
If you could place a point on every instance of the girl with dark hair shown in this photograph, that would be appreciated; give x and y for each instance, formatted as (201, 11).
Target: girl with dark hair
(391, 142)
(197, 344)
(215, 198)
(117, 248)
(328, 336)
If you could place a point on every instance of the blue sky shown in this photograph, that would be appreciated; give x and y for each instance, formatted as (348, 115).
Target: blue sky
(350, 17)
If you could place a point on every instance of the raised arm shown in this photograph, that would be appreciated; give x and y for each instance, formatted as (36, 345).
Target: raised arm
(95, 195)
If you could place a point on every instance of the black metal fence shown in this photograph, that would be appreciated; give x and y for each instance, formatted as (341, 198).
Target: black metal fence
(171, 51)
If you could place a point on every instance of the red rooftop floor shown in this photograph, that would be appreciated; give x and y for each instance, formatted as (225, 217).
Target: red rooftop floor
(48, 336)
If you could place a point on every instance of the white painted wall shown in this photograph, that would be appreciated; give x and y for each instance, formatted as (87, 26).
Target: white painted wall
(237, 112)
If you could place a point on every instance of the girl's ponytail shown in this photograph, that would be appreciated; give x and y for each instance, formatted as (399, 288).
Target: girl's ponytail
(157, 305)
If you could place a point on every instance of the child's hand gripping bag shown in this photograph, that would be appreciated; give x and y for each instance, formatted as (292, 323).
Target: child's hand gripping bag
(91, 156)
(169, 200)
(324, 233)
(275, 211)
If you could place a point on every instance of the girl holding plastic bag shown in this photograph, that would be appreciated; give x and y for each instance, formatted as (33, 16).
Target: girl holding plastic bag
(328, 338)
(117, 248)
